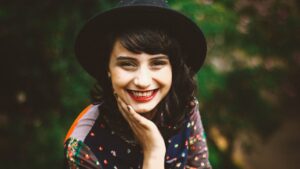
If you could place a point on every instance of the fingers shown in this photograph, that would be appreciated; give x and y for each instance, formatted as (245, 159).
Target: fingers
(136, 116)
(145, 131)
(129, 113)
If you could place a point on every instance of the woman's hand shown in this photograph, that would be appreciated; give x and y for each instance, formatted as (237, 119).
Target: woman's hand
(147, 134)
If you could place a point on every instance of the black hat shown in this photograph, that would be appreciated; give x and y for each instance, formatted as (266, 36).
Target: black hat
(91, 42)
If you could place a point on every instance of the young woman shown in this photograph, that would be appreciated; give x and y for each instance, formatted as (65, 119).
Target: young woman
(144, 113)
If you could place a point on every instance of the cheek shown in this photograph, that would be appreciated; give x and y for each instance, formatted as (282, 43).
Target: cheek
(164, 78)
(119, 80)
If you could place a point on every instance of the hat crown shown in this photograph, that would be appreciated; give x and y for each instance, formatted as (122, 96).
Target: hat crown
(90, 46)
(158, 3)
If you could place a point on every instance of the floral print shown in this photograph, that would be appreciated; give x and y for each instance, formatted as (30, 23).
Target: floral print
(103, 148)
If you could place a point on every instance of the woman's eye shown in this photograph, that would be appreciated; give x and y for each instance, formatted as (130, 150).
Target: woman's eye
(159, 63)
(127, 65)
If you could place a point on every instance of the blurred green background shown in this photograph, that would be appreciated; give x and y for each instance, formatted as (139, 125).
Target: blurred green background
(248, 87)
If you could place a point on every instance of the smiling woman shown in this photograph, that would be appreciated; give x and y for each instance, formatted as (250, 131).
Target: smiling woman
(143, 80)
(145, 114)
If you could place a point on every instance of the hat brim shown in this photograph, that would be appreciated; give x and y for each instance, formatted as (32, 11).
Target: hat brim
(91, 41)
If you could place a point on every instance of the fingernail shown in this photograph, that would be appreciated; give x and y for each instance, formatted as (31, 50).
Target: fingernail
(128, 107)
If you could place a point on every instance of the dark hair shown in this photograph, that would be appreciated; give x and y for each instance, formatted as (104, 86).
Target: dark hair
(171, 111)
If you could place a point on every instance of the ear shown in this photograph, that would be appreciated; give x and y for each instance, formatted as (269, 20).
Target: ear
(108, 74)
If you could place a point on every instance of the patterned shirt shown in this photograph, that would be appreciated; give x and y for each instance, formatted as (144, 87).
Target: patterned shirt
(92, 144)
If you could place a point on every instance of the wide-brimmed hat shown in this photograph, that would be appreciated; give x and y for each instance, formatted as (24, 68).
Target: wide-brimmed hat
(91, 40)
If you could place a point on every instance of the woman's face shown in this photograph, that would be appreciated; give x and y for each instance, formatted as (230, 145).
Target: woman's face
(141, 80)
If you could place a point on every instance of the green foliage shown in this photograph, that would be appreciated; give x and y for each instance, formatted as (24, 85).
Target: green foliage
(210, 81)
(215, 157)
(213, 19)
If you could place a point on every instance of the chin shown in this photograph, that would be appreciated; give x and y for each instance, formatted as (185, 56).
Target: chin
(143, 109)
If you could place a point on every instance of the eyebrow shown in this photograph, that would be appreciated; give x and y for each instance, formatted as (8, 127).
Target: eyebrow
(160, 57)
(120, 58)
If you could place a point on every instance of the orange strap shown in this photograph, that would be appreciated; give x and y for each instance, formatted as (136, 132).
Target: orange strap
(76, 122)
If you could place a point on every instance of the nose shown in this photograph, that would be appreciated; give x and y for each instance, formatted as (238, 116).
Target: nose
(142, 78)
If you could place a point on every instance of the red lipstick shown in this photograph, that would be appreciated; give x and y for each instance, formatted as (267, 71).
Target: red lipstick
(142, 96)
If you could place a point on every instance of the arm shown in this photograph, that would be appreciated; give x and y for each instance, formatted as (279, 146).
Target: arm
(79, 155)
(148, 136)
(154, 160)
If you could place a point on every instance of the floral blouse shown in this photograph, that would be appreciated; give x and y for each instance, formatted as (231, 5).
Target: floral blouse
(91, 144)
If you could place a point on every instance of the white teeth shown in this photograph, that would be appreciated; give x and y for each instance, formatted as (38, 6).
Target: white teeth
(142, 94)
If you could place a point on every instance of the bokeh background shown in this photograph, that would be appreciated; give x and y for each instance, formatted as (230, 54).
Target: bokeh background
(248, 87)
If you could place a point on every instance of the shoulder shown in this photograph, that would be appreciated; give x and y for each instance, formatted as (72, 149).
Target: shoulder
(84, 122)
(77, 153)
(198, 151)
(194, 113)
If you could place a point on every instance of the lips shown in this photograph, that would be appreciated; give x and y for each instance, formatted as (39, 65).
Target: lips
(142, 96)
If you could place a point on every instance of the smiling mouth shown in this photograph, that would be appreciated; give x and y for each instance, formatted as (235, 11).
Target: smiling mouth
(142, 96)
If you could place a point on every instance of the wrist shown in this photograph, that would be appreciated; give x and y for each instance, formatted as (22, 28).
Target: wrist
(154, 160)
